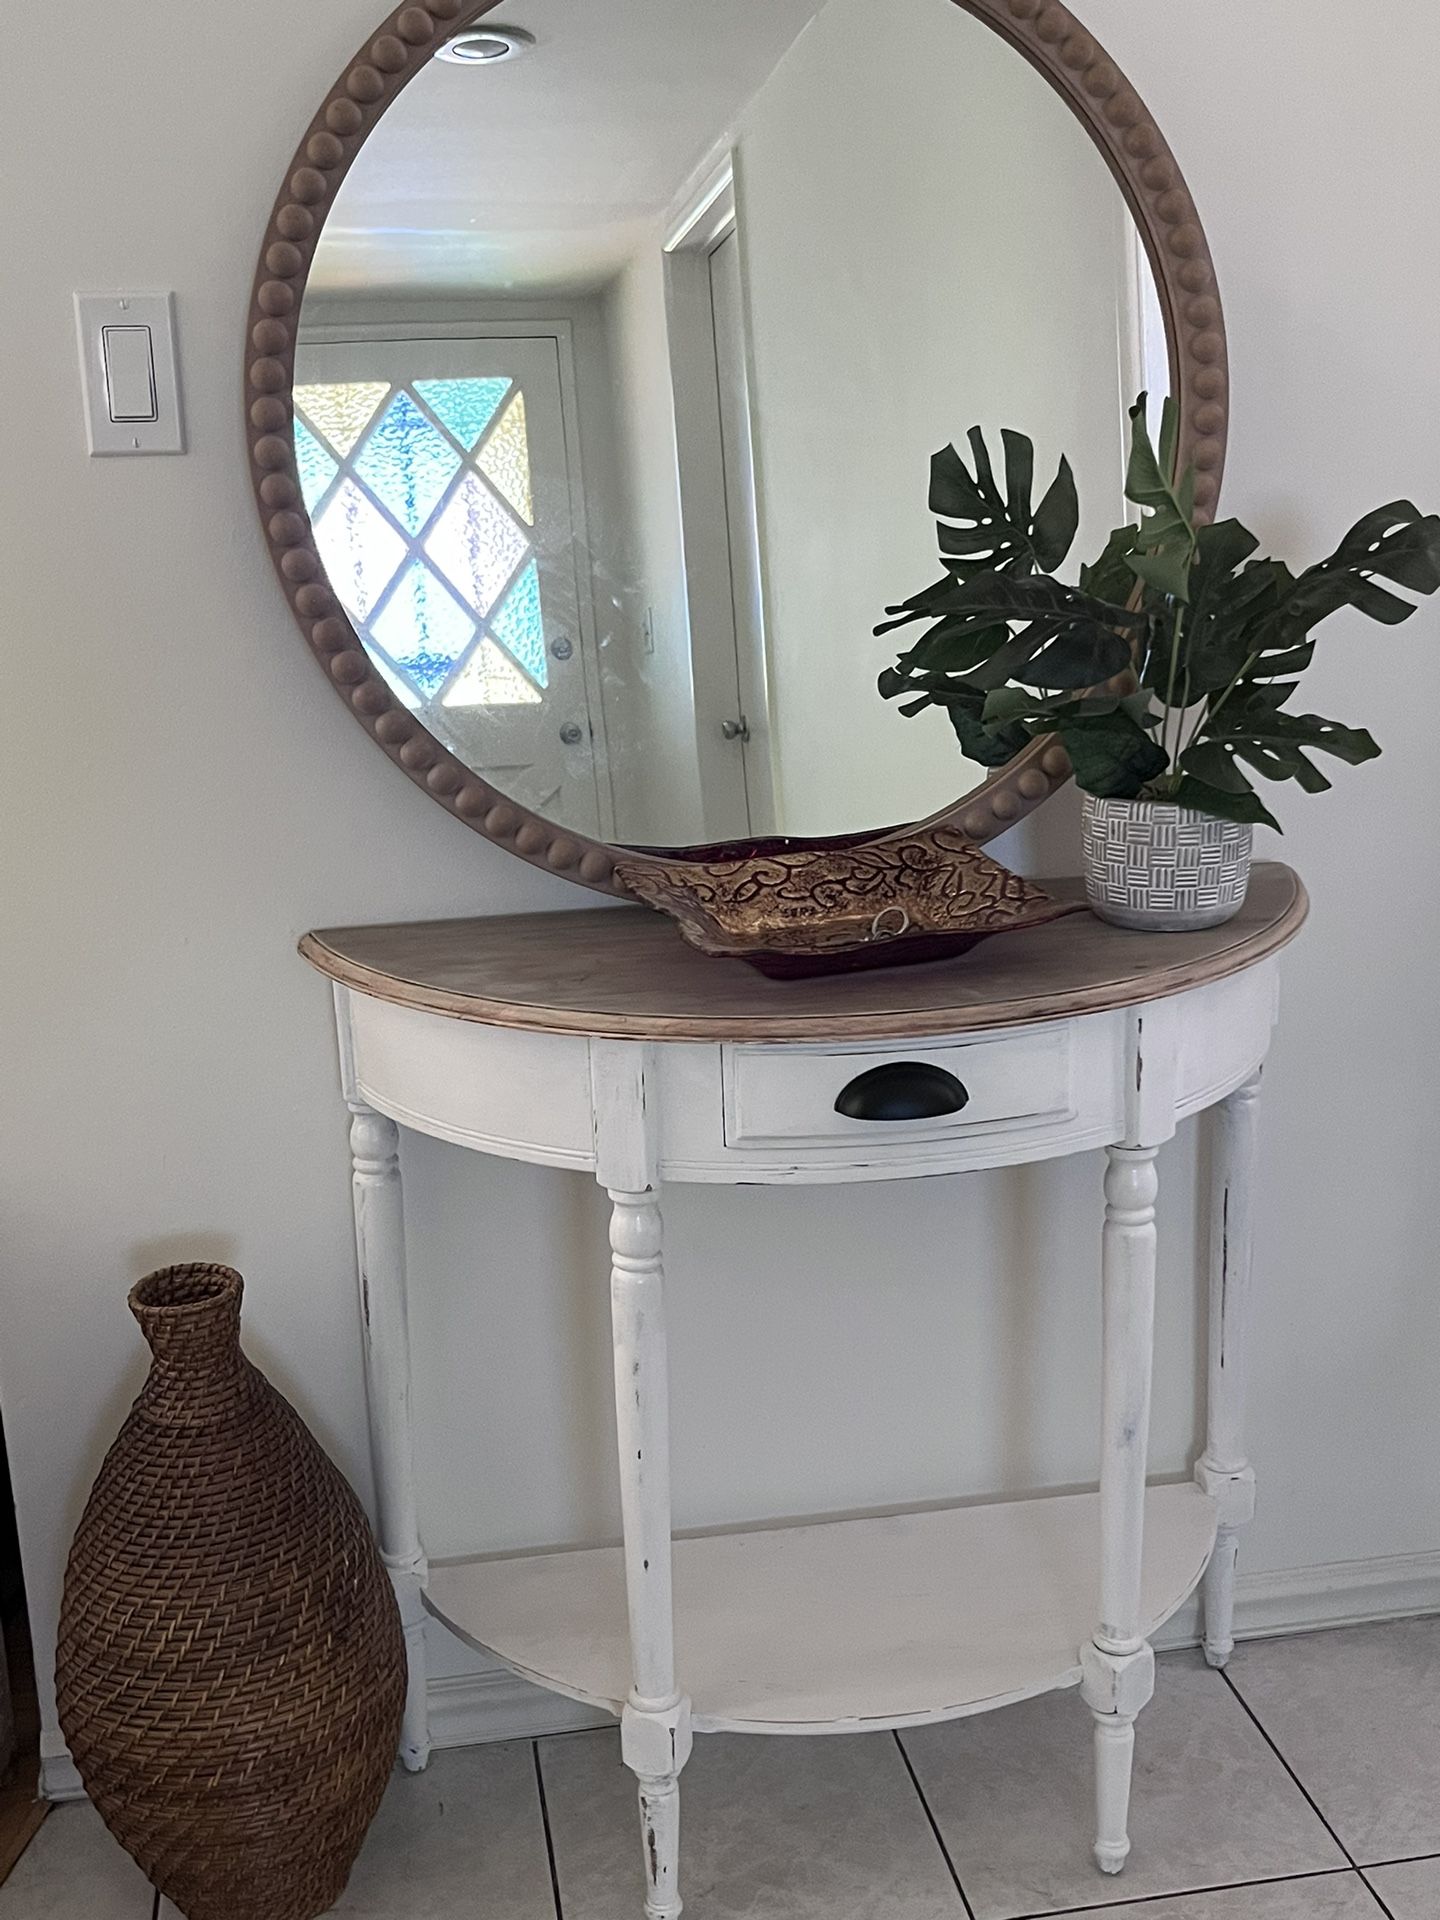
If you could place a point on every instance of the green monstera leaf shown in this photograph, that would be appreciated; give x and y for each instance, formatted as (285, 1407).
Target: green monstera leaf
(1165, 551)
(983, 530)
(1200, 642)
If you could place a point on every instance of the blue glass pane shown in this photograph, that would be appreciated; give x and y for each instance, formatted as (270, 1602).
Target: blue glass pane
(393, 678)
(466, 406)
(519, 627)
(317, 469)
(423, 629)
(407, 463)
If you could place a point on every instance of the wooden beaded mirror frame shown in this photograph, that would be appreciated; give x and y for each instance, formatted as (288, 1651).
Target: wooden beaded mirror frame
(1049, 36)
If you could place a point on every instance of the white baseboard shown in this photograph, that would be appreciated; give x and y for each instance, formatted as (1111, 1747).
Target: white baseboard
(59, 1778)
(1349, 1593)
(493, 1704)
(469, 1709)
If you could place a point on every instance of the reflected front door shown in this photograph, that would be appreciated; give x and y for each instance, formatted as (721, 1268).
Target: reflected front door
(436, 476)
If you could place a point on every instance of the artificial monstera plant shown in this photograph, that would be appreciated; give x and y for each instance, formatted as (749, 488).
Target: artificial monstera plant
(1171, 668)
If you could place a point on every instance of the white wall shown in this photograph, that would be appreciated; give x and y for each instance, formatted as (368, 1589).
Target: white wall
(182, 796)
(931, 242)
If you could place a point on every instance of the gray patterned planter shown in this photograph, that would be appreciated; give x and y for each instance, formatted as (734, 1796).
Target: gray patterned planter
(1163, 868)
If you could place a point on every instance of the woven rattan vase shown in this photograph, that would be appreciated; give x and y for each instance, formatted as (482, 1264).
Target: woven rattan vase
(231, 1668)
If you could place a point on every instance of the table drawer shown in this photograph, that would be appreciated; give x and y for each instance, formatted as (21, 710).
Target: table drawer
(784, 1097)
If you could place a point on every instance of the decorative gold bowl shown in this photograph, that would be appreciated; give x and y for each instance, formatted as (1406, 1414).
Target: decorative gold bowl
(796, 912)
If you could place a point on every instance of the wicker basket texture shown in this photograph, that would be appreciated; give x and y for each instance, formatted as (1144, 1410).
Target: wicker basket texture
(231, 1668)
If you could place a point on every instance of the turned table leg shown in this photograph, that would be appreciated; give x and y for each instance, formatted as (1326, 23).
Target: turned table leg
(655, 1736)
(1224, 1472)
(655, 1727)
(1119, 1667)
(380, 1251)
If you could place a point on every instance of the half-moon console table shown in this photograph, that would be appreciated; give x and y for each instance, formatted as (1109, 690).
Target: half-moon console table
(597, 1041)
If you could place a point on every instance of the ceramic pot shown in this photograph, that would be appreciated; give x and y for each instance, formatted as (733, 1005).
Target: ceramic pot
(1162, 868)
(231, 1668)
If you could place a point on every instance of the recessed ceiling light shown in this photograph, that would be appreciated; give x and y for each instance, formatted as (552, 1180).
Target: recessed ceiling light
(486, 46)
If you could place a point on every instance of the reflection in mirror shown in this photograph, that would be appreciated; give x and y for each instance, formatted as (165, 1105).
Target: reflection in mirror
(622, 363)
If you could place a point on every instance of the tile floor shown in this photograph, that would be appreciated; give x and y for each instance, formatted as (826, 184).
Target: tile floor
(1303, 1786)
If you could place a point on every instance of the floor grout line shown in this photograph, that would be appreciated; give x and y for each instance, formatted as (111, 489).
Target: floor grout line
(1376, 1897)
(1352, 1866)
(545, 1824)
(1197, 1893)
(934, 1827)
(1095, 1910)
(1309, 1797)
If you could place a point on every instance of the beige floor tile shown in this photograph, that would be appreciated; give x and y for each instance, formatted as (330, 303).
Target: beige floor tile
(834, 1830)
(1357, 1715)
(1012, 1793)
(1335, 1896)
(73, 1870)
(463, 1838)
(771, 1829)
(1411, 1891)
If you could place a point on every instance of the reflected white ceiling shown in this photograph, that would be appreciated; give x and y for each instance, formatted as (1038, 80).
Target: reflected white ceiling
(539, 174)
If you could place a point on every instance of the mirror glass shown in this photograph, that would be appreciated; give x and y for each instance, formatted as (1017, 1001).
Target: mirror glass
(624, 355)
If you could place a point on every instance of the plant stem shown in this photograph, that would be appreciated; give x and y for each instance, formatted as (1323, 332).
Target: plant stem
(1177, 629)
(1213, 707)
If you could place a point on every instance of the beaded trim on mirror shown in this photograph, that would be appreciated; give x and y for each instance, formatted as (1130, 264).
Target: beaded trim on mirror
(1049, 37)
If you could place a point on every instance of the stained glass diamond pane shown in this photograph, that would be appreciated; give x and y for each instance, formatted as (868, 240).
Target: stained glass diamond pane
(407, 463)
(518, 625)
(317, 469)
(360, 548)
(506, 460)
(465, 406)
(341, 409)
(477, 544)
(492, 680)
(424, 629)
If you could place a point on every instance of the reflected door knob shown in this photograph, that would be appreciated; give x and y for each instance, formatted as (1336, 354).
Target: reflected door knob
(572, 733)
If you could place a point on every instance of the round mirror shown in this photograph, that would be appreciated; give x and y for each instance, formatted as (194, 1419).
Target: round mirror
(597, 377)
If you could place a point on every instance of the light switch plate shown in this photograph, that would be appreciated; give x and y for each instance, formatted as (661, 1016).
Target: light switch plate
(130, 406)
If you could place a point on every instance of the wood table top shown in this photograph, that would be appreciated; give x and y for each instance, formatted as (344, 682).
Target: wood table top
(624, 972)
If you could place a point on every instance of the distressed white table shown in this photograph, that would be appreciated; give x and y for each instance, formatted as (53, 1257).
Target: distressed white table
(596, 1041)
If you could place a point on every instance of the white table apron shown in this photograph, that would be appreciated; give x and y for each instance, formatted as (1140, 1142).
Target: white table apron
(851, 1624)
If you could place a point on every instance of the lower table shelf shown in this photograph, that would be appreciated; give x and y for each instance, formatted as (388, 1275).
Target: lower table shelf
(839, 1625)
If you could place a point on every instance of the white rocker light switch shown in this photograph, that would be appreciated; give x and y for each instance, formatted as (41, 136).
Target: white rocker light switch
(129, 356)
(127, 366)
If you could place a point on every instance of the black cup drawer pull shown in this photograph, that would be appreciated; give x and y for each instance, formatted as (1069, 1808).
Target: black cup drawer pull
(903, 1090)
